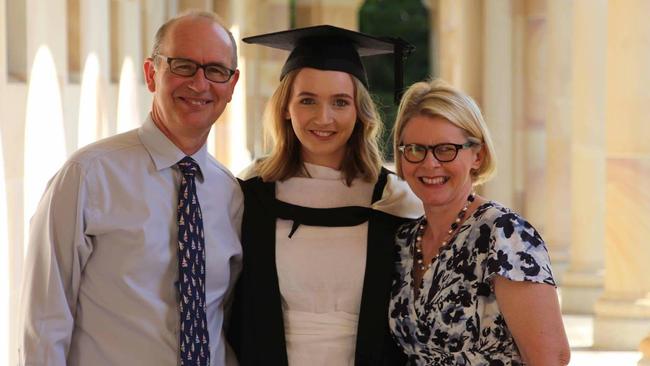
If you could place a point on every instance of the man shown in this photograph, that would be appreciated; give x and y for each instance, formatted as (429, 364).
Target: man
(135, 243)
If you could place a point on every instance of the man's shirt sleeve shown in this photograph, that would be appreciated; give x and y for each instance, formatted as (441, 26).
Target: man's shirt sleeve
(58, 250)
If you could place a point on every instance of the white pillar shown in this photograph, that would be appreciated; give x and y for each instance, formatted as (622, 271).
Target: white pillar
(7, 340)
(3, 46)
(519, 30)
(532, 126)
(14, 23)
(126, 57)
(228, 137)
(584, 278)
(263, 65)
(94, 39)
(623, 312)
(126, 29)
(94, 28)
(557, 228)
(46, 24)
(460, 52)
(11, 139)
(7, 277)
(497, 95)
(154, 15)
(194, 4)
(341, 13)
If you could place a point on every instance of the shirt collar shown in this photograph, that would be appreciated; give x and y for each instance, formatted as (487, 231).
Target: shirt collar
(162, 150)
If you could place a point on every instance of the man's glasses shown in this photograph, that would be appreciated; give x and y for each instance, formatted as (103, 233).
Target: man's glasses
(444, 153)
(184, 67)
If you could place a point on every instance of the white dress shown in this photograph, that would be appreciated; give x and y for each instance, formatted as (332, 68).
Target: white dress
(321, 270)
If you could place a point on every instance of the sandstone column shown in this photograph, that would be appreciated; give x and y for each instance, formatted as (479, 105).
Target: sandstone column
(237, 136)
(263, 65)
(582, 283)
(557, 220)
(194, 4)
(127, 54)
(497, 95)
(91, 35)
(341, 13)
(12, 263)
(532, 128)
(228, 139)
(94, 33)
(459, 26)
(623, 312)
(45, 22)
(126, 29)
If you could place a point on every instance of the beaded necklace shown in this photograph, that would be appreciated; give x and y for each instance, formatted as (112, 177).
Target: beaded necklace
(419, 257)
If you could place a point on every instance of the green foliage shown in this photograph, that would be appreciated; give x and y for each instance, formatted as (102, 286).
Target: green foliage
(409, 20)
(292, 14)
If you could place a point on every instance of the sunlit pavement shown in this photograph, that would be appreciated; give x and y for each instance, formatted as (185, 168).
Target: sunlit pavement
(580, 332)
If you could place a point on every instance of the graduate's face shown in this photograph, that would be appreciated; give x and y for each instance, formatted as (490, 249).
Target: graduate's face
(322, 111)
(189, 105)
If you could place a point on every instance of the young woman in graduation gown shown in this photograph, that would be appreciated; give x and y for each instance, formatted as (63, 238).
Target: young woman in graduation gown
(320, 215)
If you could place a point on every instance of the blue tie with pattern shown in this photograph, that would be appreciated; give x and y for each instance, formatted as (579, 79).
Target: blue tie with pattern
(194, 337)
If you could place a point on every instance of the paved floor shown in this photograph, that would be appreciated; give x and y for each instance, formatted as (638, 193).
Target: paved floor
(579, 330)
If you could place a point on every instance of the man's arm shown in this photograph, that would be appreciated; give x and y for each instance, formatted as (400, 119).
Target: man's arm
(57, 253)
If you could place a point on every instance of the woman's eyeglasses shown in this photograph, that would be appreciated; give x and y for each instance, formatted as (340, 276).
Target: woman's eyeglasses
(444, 153)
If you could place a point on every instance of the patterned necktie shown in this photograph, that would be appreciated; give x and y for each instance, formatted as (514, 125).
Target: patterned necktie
(194, 337)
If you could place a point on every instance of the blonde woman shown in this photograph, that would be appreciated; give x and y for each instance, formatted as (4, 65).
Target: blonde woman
(320, 214)
(473, 279)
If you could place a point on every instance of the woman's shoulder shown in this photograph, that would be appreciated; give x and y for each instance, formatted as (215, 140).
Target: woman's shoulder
(507, 222)
(515, 249)
(495, 212)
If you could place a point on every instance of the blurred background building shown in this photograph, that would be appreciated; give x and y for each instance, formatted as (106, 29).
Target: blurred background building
(564, 86)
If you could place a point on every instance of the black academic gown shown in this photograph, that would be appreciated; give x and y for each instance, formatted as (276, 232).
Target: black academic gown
(256, 327)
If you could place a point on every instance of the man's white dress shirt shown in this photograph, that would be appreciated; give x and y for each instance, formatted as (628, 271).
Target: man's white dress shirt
(99, 286)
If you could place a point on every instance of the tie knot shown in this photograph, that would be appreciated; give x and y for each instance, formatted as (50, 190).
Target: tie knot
(188, 166)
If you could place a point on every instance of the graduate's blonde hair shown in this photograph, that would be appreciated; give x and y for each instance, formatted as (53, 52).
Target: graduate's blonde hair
(362, 159)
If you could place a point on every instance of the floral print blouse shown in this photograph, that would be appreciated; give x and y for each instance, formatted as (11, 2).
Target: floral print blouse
(456, 319)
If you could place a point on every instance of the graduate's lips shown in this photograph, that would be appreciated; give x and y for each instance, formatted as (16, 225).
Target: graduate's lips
(322, 134)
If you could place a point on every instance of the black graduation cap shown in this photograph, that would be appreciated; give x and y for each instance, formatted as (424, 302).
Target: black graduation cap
(327, 47)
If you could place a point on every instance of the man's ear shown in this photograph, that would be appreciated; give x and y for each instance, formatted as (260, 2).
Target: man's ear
(233, 82)
(150, 73)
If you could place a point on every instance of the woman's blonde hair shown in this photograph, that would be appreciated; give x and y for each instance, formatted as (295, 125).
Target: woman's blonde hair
(362, 159)
(436, 98)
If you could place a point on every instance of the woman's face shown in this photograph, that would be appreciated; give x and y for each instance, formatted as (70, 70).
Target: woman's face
(323, 114)
(436, 183)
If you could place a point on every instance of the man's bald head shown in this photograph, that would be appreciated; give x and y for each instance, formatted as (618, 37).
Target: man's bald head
(164, 30)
